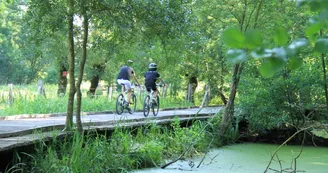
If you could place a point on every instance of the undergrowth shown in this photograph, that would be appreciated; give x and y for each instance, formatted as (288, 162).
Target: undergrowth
(121, 151)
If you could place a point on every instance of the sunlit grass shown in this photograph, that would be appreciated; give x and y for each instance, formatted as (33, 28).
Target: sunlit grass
(27, 101)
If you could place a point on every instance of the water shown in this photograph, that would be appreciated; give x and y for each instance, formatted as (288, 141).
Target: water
(251, 158)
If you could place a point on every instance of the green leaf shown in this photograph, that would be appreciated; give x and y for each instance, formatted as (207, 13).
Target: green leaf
(279, 52)
(294, 63)
(315, 5)
(321, 45)
(261, 53)
(271, 66)
(295, 46)
(298, 43)
(323, 15)
(313, 29)
(301, 2)
(253, 39)
(320, 18)
(236, 56)
(280, 37)
(233, 38)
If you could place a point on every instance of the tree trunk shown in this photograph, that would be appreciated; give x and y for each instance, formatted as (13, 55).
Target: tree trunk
(194, 83)
(82, 63)
(62, 78)
(221, 93)
(324, 78)
(98, 69)
(230, 106)
(238, 68)
(324, 74)
(94, 84)
(72, 90)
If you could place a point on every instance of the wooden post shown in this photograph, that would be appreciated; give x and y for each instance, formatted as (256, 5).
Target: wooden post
(11, 95)
(205, 96)
(165, 91)
(189, 94)
(40, 89)
(142, 93)
(110, 92)
(208, 99)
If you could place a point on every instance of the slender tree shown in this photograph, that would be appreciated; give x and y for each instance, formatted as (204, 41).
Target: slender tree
(323, 63)
(72, 89)
(82, 63)
(244, 23)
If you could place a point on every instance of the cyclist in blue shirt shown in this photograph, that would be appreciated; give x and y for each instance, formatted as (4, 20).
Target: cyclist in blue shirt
(151, 77)
(124, 76)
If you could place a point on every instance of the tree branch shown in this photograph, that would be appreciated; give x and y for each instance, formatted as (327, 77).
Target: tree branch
(276, 151)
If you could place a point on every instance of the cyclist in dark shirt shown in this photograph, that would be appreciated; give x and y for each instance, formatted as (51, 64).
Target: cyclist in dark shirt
(124, 76)
(151, 77)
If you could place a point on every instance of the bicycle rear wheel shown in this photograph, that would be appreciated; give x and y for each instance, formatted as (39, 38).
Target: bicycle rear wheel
(133, 105)
(155, 107)
(119, 104)
(146, 106)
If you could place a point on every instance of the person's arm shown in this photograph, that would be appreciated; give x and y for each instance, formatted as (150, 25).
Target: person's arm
(159, 77)
(134, 76)
(164, 84)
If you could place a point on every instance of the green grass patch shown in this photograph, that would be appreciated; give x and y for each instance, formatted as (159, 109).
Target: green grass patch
(122, 151)
(26, 101)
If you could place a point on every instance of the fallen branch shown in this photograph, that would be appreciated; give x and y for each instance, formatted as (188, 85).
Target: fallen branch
(299, 154)
(276, 151)
(205, 154)
(175, 160)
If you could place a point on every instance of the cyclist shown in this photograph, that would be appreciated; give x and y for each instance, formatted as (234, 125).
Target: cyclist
(123, 78)
(151, 77)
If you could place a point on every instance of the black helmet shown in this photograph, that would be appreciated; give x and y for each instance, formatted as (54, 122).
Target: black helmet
(152, 66)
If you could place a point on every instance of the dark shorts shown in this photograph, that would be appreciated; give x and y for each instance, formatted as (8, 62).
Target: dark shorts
(150, 87)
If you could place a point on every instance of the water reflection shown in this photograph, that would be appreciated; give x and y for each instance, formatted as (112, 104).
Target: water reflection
(251, 158)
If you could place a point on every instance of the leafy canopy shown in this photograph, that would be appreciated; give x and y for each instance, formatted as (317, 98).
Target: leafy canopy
(285, 51)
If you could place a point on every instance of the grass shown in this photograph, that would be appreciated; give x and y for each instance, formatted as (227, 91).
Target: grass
(122, 151)
(26, 101)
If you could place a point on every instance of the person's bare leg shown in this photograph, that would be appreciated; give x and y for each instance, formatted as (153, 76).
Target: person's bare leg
(129, 95)
(155, 93)
(123, 89)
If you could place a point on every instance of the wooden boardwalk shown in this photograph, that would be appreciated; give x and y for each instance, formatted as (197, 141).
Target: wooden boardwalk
(25, 130)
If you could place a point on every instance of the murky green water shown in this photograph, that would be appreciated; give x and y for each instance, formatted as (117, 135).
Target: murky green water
(251, 158)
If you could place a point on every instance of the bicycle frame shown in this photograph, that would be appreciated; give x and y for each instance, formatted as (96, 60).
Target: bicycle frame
(121, 101)
(150, 104)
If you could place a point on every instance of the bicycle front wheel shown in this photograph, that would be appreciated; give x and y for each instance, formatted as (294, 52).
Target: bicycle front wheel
(133, 104)
(146, 106)
(119, 104)
(155, 106)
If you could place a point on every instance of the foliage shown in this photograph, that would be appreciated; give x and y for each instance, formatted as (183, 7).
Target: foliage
(295, 96)
(120, 152)
(203, 39)
(282, 51)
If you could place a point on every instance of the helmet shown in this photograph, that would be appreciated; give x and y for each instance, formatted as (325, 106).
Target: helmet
(152, 66)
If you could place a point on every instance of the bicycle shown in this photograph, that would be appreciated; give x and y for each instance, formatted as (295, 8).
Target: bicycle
(121, 102)
(151, 102)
